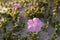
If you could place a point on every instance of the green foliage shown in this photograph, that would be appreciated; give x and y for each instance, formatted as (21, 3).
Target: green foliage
(30, 9)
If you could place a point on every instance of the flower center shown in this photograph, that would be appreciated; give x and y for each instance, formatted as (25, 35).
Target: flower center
(34, 25)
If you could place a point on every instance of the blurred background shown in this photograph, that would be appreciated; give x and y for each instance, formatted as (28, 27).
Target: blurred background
(14, 15)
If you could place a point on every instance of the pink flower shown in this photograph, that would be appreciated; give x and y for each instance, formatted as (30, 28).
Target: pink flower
(16, 5)
(34, 24)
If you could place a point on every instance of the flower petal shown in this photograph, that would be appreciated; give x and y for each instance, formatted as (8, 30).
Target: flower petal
(30, 28)
(36, 20)
(30, 22)
(16, 5)
(40, 24)
(37, 29)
